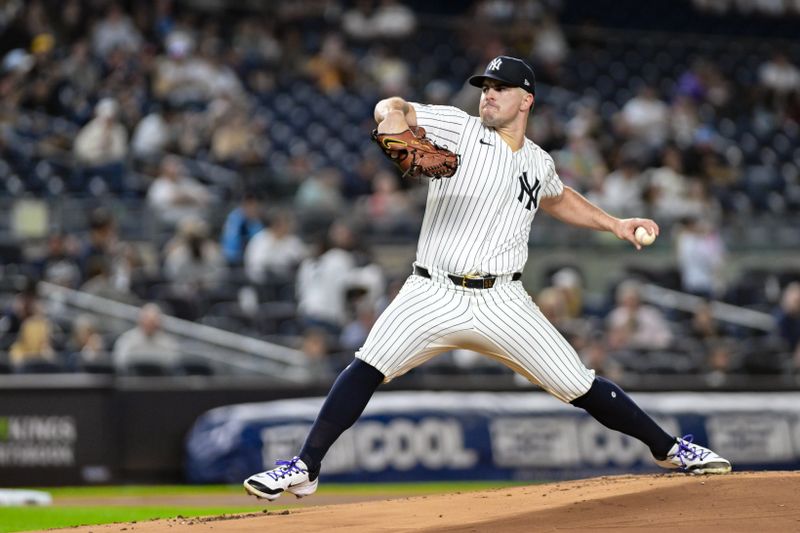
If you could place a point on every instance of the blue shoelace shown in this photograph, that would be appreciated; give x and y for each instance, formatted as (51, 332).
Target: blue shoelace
(691, 453)
(288, 467)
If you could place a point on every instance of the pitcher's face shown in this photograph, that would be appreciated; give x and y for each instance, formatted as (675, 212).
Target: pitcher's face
(501, 103)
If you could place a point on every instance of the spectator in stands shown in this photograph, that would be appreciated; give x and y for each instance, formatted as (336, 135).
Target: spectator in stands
(60, 262)
(238, 139)
(388, 209)
(579, 163)
(547, 128)
(357, 22)
(622, 191)
(596, 355)
(320, 194)
(387, 70)
(115, 31)
(366, 283)
(174, 195)
(645, 117)
(222, 79)
(316, 347)
(553, 305)
(103, 247)
(780, 80)
(153, 134)
(787, 318)
(33, 342)
(193, 261)
(100, 281)
(322, 280)
(692, 83)
(80, 73)
(355, 332)
(333, 68)
(636, 326)
(719, 362)
(101, 146)
(102, 239)
(275, 251)
(241, 225)
(44, 82)
(262, 84)
(23, 306)
(387, 20)
(103, 140)
(549, 48)
(568, 282)
(359, 183)
(85, 345)
(703, 82)
(393, 20)
(703, 326)
(684, 122)
(668, 187)
(179, 76)
(147, 342)
(256, 42)
(701, 256)
(70, 24)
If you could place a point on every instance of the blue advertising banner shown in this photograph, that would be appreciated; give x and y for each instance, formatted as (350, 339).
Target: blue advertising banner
(416, 436)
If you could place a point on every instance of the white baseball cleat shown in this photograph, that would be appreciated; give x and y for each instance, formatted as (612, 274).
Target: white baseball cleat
(694, 459)
(290, 476)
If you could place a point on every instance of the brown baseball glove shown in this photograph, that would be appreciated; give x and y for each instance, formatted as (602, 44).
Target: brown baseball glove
(416, 155)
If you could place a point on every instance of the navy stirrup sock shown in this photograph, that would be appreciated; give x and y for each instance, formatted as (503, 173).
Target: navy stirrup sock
(345, 402)
(610, 406)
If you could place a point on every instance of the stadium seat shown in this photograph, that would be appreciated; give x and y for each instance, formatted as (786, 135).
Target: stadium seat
(39, 367)
(147, 369)
(195, 368)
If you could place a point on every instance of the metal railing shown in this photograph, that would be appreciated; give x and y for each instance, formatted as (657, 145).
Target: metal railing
(219, 346)
(741, 316)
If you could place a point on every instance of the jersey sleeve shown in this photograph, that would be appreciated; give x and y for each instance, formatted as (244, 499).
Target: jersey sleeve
(444, 124)
(552, 185)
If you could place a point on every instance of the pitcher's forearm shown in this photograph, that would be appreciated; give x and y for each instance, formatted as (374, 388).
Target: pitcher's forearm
(571, 207)
(394, 115)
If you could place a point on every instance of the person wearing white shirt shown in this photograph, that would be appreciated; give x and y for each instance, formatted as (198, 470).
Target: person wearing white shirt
(147, 342)
(323, 280)
(175, 196)
(274, 249)
(104, 139)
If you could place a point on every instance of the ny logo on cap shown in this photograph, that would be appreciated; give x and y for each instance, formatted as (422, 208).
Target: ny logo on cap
(495, 64)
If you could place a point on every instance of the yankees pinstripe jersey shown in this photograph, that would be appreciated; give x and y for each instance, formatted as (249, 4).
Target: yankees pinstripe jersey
(478, 221)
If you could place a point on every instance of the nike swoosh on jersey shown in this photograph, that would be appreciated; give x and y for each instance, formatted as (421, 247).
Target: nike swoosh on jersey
(487, 143)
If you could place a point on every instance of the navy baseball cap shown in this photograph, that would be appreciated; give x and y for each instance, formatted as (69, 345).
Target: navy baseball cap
(509, 70)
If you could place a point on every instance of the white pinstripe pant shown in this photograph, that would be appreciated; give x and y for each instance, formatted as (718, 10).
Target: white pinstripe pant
(431, 316)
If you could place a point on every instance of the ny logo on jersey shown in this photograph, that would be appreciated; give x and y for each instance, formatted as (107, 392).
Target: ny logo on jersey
(495, 64)
(532, 192)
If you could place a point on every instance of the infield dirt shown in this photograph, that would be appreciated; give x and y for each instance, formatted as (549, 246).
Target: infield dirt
(742, 501)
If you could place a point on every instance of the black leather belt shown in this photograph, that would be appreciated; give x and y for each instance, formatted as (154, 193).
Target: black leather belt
(469, 282)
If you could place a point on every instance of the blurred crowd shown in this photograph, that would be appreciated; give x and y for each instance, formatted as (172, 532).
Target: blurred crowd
(244, 135)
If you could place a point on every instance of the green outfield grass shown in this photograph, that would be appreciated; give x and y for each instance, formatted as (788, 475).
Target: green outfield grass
(433, 487)
(34, 518)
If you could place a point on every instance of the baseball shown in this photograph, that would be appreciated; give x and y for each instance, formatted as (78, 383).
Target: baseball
(644, 237)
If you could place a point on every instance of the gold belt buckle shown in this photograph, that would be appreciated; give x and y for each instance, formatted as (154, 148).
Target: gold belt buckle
(469, 276)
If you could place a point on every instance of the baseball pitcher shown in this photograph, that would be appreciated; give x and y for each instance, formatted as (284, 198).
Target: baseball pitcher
(489, 181)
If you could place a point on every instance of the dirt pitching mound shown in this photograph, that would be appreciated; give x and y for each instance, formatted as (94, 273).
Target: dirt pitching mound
(745, 501)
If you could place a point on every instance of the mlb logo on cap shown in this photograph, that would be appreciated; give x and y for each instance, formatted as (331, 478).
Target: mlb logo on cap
(509, 70)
